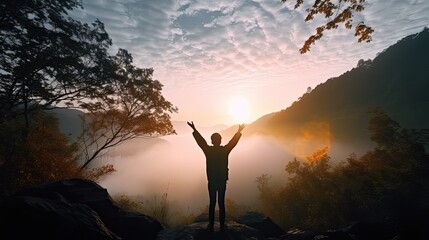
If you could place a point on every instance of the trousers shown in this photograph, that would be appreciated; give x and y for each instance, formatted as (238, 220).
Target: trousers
(217, 190)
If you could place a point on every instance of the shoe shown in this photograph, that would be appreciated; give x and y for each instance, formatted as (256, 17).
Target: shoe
(210, 227)
(223, 227)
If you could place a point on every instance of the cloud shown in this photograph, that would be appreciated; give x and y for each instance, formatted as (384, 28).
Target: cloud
(201, 45)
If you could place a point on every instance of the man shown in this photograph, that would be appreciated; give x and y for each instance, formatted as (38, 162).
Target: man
(217, 170)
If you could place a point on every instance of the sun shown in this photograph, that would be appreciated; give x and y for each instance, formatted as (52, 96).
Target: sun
(239, 109)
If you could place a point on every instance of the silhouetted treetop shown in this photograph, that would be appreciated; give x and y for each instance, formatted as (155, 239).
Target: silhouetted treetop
(47, 57)
(50, 60)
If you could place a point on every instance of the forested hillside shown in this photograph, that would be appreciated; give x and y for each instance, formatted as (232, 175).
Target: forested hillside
(396, 80)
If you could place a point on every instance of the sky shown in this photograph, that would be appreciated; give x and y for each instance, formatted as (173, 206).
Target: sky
(229, 62)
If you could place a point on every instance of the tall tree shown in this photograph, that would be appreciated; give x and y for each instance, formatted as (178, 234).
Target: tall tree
(47, 57)
(338, 12)
(130, 107)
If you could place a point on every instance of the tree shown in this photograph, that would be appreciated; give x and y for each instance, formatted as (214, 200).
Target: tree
(48, 58)
(388, 184)
(130, 107)
(364, 63)
(45, 155)
(342, 12)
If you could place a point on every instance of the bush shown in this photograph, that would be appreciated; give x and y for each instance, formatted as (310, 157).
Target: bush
(388, 183)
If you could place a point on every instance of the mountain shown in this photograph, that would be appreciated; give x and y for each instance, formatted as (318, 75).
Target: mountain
(69, 121)
(335, 112)
(181, 127)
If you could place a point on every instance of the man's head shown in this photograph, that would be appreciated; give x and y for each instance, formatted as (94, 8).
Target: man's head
(216, 139)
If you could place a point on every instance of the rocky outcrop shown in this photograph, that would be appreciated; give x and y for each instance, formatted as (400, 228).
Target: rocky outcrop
(261, 222)
(198, 231)
(363, 230)
(256, 226)
(71, 209)
(251, 225)
(81, 209)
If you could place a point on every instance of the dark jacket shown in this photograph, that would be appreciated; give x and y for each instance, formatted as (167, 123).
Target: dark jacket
(216, 157)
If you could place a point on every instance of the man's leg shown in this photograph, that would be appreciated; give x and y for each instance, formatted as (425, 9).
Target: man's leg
(221, 202)
(212, 205)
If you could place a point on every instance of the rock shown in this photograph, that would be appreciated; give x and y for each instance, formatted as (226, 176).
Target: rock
(334, 235)
(363, 230)
(25, 217)
(72, 209)
(366, 230)
(203, 217)
(198, 231)
(296, 234)
(262, 223)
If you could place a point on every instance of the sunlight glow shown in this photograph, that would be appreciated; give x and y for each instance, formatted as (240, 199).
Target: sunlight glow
(313, 140)
(239, 109)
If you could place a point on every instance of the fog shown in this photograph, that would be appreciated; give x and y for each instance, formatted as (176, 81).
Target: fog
(176, 165)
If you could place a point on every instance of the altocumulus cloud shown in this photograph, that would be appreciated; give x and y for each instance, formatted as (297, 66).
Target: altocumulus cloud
(221, 38)
(201, 45)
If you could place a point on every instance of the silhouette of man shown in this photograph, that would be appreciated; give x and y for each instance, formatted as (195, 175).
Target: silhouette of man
(217, 170)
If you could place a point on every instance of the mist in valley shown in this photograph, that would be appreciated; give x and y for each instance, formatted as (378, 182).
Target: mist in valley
(175, 165)
(149, 168)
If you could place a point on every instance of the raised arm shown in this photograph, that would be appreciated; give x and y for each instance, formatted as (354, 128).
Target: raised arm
(241, 127)
(200, 140)
(234, 140)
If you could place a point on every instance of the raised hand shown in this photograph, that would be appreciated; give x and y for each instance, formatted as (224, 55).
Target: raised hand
(191, 124)
(241, 127)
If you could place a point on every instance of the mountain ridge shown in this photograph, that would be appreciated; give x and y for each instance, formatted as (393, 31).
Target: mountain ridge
(396, 80)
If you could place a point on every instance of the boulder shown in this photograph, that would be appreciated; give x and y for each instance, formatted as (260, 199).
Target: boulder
(25, 217)
(297, 234)
(262, 223)
(72, 209)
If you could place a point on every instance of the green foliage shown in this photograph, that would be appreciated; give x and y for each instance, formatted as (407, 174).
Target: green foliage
(388, 183)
